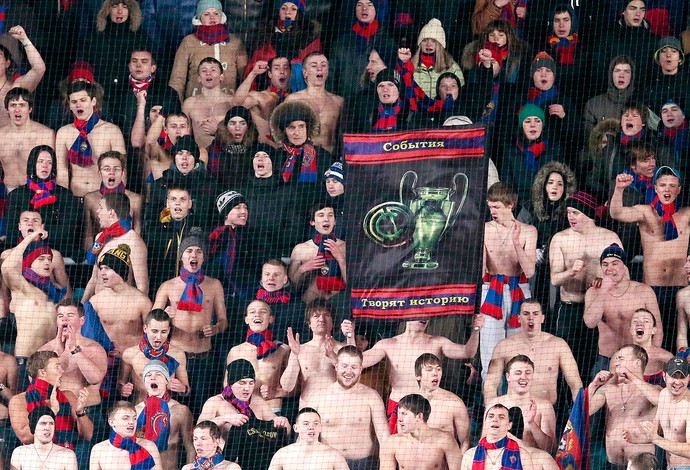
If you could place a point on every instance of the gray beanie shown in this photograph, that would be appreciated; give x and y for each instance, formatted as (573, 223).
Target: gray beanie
(194, 240)
(156, 366)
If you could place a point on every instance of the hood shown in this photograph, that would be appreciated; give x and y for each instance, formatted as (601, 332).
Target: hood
(134, 20)
(614, 94)
(607, 126)
(539, 201)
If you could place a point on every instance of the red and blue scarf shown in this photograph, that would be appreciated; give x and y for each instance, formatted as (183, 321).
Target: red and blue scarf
(509, 460)
(280, 296)
(493, 304)
(139, 458)
(118, 229)
(626, 139)
(204, 463)
(42, 192)
(278, 93)
(212, 34)
(366, 31)
(38, 394)
(225, 238)
(244, 407)
(54, 293)
(666, 211)
(159, 354)
(192, 296)
(329, 277)
(119, 189)
(388, 116)
(642, 184)
(564, 48)
(80, 153)
(531, 150)
(542, 98)
(308, 171)
(153, 422)
(678, 137)
(263, 340)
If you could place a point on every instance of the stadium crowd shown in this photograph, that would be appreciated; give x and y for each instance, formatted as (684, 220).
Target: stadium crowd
(174, 284)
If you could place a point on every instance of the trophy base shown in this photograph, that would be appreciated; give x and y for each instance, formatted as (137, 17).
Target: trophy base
(425, 266)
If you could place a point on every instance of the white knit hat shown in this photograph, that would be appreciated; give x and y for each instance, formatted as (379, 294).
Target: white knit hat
(433, 30)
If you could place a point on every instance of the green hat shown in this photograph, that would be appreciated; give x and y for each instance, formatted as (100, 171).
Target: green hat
(530, 110)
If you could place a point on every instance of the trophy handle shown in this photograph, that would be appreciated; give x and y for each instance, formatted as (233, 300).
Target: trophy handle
(402, 184)
(458, 207)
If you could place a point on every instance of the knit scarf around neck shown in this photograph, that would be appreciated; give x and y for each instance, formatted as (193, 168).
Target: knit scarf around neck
(306, 154)
(38, 394)
(153, 422)
(206, 463)
(139, 458)
(329, 277)
(643, 185)
(54, 293)
(224, 243)
(666, 211)
(80, 153)
(118, 229)
(280, 296)
(192, 296)
(542, 98)
(626, 139)
(42, 192)
(263, 340)
(531, 151)
(564, 48)
(119, 189)
(427, 60)
(278, 93)
(244, 407)
(509, 460)
(212, 34)
(140, 85)
(388, 116)
(160, 354)
(365, 30)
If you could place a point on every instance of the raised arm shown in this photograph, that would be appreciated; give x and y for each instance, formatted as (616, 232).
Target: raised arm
(243, 94)
(464, 351)
(594, 302)
(288, 381)
(617, 210)
(542, 425)
(12, 266)
(374, 355)
(33, 77)
(138, 134)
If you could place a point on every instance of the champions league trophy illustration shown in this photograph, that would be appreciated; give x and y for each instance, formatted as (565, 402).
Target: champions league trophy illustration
(424, 215)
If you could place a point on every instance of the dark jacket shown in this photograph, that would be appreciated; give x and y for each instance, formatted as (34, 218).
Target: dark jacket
(608, 105)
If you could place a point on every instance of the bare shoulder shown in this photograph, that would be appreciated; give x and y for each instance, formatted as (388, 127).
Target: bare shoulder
(682, 296)
(606, 235)
(148, 445)
(129, 354)
(528, 229)
(213, 283)
(303, 250)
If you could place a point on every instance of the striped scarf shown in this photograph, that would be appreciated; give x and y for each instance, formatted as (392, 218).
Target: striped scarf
(244, 407)
(306, 154)
(118, 229)
(280, 296)
(204, 463)
(139, 458)
(531, 150)
(564, 48)
(666, 211)
(263, 340)
(642, 184)
(80, 153)
(192, 296)
(366, 30)
(212, 34)
(160, 354)
(225, 238)
(42, 192)
(119, 189)
(388, 116)
(153, 422)
(493, 304)
(140, 85)
(511, 454)
(329, 277)
(542, 98)
(38, 394)
(626, 139)
(54, 293)
(278, 93)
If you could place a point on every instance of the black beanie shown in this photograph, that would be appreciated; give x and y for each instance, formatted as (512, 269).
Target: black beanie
(238, 370)
(36, 414)
(185, 142)
(117, 259)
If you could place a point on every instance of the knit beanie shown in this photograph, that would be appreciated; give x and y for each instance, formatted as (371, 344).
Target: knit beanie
(240, 369)
(117, 259)
(237, 111)
(433, 30)
(80, 70)
(301, 4)
(614, 251)
(336, 172)
(194, 240)
(542, 59)
(204, 5)
(185, 142)
(530, 110)
(671, 42)
(585, 203)
(36, 415)
(33, 251)
(156, 366)
(227, 201)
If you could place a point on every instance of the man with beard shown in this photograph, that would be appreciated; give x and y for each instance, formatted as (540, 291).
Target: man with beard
(43, 453)
(155, 344)
(355, 432)
(162, 420)
(611, 306)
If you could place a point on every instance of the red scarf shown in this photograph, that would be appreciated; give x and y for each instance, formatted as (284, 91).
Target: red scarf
(119, 189)
(388, 116)
(140, 85)
(42, 192)
(366, 30)
(263, 340)
(280, 94)
(308, 171)
(118, 229)
(564, 48)
(428, 60)
(212, 34)
(38, 394)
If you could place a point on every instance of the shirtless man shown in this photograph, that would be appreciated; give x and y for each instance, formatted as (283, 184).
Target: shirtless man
(403, 350)
(208, 109)
(123, 450)
(30, 80)
(324, 252)
(683, 307)
(83, 360)
(113, 173)
(225, 411)
(506, 269)
(21, 134)
(643, 328)
(26, 271)
(352, 413)
(326, 105)
(664, 243)
(193, 315)
(308, 452)
(76, 155)
(207, 446)
(627, 399)
(8, 389)
(42, 452)
(268, 358)
(448, 411)
(611, 306)
(538, 414)
(113, 214)
(310, 363)
(505, 451)
(155, 344)
(549, 353)
(164, 421)
(574, 261)
(262, 103)
(418, 445)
